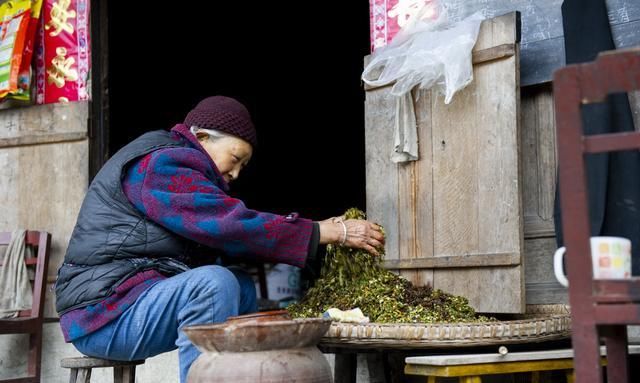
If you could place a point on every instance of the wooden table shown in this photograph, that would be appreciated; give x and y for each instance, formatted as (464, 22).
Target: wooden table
(542, 328)
(470, 368)
(389, 362)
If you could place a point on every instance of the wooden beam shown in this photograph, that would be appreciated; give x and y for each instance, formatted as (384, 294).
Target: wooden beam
(467, 260)
(38, 139)
(493, 53)
(611, 142)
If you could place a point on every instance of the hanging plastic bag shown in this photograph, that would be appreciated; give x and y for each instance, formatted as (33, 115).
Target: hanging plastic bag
(23, 90)
(13, 29)
(430, 52)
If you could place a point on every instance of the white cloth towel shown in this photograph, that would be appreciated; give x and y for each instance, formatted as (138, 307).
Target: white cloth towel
(405, 140)
(15, 288)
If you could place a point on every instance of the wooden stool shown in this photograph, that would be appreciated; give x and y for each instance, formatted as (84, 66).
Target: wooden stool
(123, 372)
(471, 368)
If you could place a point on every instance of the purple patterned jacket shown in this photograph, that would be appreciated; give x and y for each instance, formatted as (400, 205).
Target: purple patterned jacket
(170, 187)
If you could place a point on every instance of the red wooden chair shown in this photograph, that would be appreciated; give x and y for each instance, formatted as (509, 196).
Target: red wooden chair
(30, 321)
(599, 308)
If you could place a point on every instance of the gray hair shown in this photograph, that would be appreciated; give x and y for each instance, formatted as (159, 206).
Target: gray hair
(213, 134)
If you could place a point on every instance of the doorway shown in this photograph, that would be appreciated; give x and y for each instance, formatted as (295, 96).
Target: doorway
(298, 76)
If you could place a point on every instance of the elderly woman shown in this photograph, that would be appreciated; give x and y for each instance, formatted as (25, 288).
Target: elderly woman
(142, 259)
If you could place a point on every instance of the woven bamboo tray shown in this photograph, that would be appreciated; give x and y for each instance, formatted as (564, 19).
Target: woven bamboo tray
(539, 324)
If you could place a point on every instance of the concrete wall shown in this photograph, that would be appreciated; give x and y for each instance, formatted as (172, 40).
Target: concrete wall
(43, 179)
(162, 368)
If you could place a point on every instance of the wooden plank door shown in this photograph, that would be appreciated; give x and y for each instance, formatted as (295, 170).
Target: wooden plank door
(454, 218)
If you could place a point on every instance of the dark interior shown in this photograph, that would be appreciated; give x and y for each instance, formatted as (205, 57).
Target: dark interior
(297, 68)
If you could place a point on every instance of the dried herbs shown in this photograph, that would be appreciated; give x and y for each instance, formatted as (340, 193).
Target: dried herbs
(353, 278)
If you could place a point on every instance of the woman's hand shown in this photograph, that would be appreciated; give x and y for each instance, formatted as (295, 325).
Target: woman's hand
(355, 233)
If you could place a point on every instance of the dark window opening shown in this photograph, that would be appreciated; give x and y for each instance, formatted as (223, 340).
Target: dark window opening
(298, 75)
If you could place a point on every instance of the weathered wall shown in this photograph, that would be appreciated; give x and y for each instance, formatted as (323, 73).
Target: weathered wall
(163, 368)
(542, 46)
(43, 178)
(43, 172)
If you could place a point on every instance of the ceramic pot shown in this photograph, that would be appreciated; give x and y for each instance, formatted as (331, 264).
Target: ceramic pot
(262, 347)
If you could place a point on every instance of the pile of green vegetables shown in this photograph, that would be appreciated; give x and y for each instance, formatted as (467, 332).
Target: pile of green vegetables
(353, 278)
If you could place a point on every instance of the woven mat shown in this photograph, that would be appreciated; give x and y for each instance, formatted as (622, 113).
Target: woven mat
(540, 324)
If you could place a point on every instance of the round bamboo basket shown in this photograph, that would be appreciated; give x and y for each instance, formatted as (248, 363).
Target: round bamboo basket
(539, 324)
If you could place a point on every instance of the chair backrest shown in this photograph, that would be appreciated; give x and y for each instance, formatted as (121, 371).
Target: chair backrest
(601, 308)
(40, 241)
(575, 86)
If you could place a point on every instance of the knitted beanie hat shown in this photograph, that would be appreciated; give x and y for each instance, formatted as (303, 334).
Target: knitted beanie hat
(224, 114)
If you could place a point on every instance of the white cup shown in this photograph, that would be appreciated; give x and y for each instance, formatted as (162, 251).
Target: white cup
(610, 256)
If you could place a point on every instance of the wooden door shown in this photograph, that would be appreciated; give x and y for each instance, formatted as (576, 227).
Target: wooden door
(454, 218)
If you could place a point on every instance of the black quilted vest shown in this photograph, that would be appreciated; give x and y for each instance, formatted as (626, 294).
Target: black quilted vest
(112, 240)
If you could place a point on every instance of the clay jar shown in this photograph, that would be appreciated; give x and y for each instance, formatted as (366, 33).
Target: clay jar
(262, 347)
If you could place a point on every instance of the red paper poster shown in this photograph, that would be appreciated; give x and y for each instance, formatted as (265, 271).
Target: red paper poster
(387, 17)
(63, 56)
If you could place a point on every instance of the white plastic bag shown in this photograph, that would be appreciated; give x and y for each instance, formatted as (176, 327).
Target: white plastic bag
(429, 53)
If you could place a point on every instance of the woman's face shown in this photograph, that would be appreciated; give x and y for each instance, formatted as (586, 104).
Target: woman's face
(230, 154)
